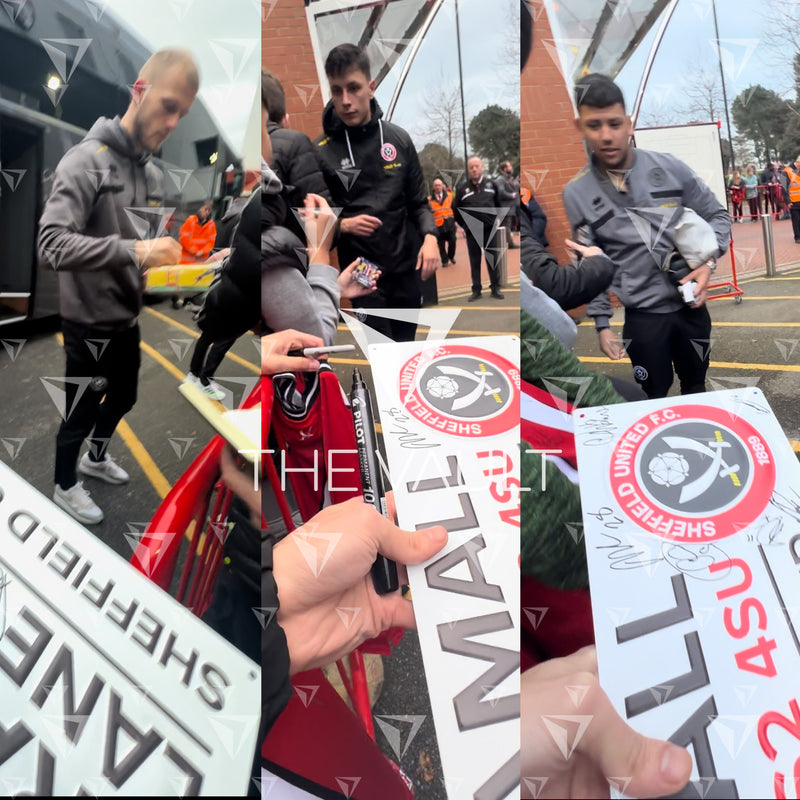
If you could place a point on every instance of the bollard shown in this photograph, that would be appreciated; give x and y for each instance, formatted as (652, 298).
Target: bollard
(502, 255)
(769, 244)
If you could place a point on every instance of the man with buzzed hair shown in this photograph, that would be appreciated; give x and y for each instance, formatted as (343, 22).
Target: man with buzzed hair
(476, 206)
(92, 233)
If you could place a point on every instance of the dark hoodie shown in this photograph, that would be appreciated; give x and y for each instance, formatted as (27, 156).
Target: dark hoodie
(105, 198)
(385, 182)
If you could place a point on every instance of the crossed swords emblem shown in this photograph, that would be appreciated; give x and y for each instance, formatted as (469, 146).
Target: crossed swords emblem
(480, 388)
(718, 468)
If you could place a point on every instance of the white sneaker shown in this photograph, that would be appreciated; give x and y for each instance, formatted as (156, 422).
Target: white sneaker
(212, 390)
(77, 502)
(107, 470)
(191, 378)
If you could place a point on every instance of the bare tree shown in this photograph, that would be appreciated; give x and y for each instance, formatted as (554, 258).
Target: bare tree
(507, 59)
(703, 90)
(440, 117)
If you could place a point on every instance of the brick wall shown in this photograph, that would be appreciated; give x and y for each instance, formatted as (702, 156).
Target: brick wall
(286, 51)
(551, 147)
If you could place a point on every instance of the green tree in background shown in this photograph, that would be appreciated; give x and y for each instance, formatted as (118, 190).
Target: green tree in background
(762, 116)
(437, 162)
(494, 135)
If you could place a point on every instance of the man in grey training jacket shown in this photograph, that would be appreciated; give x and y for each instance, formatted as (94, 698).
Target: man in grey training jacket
(627, 202)
(96, 231)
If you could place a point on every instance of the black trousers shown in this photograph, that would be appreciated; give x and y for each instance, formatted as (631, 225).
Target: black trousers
(446, 237)
(402, 290)
(475, 250)
(207, 355)
(794, 211)
(658, 342)
(102, 373)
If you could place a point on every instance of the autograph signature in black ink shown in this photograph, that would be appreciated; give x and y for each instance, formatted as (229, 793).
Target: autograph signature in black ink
(4, 581)
(693, 560)
(407, 439)
(789, 506)
(598, 426)
(626, 556)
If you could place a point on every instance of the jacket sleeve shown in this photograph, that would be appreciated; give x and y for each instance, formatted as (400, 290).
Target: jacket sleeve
(698, 197)
(187, 233)
(416, 198)
(599, 308)
(568, 286)
(62, 243)
(304, 171)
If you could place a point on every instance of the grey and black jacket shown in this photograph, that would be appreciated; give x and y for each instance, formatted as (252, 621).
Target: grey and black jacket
(105, 198)
(635, 228)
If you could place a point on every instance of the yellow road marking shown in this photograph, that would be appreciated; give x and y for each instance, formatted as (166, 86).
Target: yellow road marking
(238, 359)
(716, 324)
(714, 364)
(166, 363)
(139, 452)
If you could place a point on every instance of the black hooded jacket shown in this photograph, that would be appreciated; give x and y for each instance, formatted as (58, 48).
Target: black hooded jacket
(385, 181)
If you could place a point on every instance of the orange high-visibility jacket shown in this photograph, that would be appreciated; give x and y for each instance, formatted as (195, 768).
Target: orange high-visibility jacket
(794, 185)
(443, 210)
(197, 240)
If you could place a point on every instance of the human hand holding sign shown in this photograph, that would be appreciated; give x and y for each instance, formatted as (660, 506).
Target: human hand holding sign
(606, 749)
(325, 565)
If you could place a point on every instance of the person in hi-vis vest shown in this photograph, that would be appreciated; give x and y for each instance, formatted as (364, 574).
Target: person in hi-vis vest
(442, 206)
(793, 185)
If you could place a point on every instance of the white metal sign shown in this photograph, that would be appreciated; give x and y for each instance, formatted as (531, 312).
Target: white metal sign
(691, 510)
(107, 685)
(450, 417)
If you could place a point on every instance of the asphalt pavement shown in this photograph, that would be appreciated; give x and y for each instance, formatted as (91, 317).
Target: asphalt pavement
(753, 343)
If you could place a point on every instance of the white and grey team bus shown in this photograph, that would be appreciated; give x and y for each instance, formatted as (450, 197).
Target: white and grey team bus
(62, 65)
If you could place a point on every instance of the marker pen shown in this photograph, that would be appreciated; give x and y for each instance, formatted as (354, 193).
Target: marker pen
(313, 352)
(384, 571)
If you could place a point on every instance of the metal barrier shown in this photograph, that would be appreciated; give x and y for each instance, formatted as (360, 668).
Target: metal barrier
(769, 244)
(502, 255)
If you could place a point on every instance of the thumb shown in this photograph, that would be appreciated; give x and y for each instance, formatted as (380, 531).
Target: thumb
(411, 547)
(419, 260)
(645, 767)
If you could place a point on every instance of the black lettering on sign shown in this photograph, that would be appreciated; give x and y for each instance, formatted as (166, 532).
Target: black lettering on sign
(213, 677)
(453, 478)
(661, 693)
(194, 775)
(188, 661)
(694, 732)
(152, 632)
(472, 711)
(45, 775)
(75, 719)
(64, 560)
(502, 782)
(31, 651)
(145, 743)
(476, 586)
(22, 525)
(655, 622)
(97, 594)
(463, 523)
(13, 739)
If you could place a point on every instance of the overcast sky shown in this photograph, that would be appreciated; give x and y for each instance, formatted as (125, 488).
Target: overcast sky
(485, 27)
(224, 38)
(748, 55)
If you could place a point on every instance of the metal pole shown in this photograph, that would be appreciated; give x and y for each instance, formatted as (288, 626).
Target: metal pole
(769, 244)
(501, 265)
(461, 87)
(724, 92)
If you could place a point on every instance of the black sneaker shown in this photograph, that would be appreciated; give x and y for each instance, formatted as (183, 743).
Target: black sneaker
(496, 293)
(474, 296)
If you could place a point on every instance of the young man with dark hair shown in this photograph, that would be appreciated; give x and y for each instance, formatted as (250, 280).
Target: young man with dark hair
(373, 173)
(628, 202)
(88, 235)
